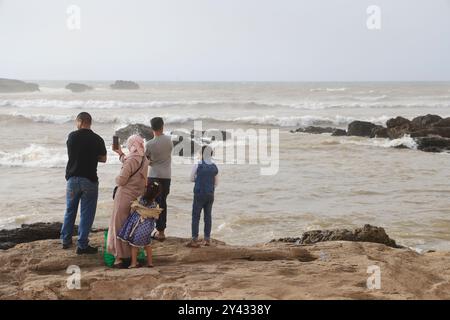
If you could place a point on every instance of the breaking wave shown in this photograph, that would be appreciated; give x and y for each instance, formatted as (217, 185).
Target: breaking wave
(353, 102)
(269, 120)
(40, 156)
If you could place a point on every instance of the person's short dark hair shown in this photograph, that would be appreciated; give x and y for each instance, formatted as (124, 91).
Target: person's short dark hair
(85, 118)
(157, 123)
(207, 153)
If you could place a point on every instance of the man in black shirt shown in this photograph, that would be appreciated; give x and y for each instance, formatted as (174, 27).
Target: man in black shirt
(85, 150)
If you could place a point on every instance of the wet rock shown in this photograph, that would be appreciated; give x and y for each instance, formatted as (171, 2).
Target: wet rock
(11, 86)
(424, 122)
(315, 130)
(442, 123)
(144, 131)
(28, 233)
(433, 144)
(78, 87)
(361, 129)
(125, 85)
(398, 127)
(380, 132)
(367, 233)
(33, 232)
(339, 133)
(434, 131)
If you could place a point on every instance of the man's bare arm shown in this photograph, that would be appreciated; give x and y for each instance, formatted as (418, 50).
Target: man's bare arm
(102, 158)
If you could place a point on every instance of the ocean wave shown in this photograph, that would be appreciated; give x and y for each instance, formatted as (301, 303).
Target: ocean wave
(370, 102)
(34, 156)
(89, 104)
(327, 89)
(40, 156)
(405, 141)
(268, 120)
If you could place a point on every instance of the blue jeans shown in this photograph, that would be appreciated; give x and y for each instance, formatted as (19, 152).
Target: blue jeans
(78, 190)
(202, 201)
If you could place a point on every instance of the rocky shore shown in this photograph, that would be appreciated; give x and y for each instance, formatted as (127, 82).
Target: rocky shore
(316, 265)
(430, 132)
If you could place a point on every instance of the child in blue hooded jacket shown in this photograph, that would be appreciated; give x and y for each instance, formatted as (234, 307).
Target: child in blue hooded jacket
(204, 175)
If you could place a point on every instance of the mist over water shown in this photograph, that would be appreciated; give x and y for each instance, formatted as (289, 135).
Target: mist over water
(323, 181)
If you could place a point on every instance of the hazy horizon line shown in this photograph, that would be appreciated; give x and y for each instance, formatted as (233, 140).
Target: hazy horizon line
(229, 81)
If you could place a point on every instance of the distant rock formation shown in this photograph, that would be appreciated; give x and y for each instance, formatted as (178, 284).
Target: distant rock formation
(78, 87)
(125, 85)
(12, 86)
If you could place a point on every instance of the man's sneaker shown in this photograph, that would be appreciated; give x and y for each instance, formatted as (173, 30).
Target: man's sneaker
(87, 250)
(66, 246)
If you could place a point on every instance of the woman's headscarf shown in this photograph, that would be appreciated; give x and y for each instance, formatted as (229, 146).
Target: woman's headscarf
(135, 145)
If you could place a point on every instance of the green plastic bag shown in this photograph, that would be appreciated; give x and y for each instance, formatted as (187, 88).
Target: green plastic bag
(109, 258)
(142, 257)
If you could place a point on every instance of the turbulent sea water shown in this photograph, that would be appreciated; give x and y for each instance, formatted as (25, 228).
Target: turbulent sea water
(322, 182)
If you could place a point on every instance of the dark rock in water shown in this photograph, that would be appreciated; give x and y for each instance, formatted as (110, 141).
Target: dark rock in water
(28, 233)
(434, 131)
(144, 131)
(424, 122)
(78, 87)
(443, 123)
(339, 133)
(33, 232)
(361, 129)
(367, 233)
(398, 127)
(433, 144)
(11, 86)
(316, 130)
(125, 85)
(380, 132)
(397, 122)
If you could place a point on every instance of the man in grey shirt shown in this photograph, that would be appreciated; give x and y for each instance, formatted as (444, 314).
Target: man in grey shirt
(159, 152)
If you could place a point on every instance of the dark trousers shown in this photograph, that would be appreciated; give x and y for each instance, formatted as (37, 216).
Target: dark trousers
(202, 201)
(162, 201)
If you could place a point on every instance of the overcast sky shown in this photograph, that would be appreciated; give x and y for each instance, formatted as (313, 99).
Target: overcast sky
(225, 40)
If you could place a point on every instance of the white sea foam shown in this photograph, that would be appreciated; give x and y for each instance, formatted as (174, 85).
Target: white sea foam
(328, 89)
(353, 102)
(268, 120)
(39, 156)
(405, 141)
(34, 156)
